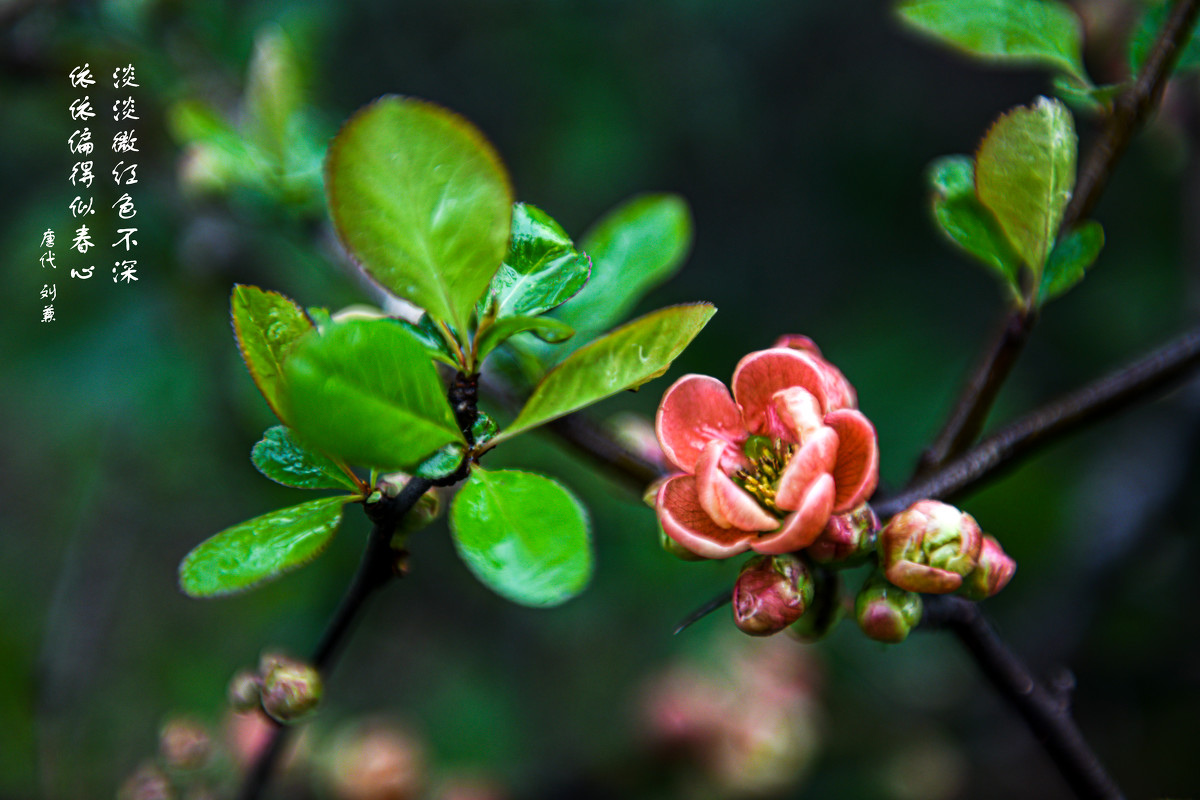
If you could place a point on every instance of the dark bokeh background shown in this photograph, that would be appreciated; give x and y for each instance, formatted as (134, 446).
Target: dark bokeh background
(799, 133)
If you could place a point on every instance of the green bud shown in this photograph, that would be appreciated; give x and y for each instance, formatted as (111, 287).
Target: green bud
(244, 691)
(291, 689)
(886, 613)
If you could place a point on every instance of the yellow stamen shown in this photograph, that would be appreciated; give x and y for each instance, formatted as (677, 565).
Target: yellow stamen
(766, 468)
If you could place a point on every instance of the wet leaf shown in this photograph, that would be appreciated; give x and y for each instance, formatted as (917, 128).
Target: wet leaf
(623, 359)
(523, 535)
(261, 549)
(365, 391)
(267, 325)
(423, 202)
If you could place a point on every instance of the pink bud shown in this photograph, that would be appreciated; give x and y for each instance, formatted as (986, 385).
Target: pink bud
(378, 762)
(184, 744)
(771, 593)
(993, 572)
(886, 613)
(929, 547)
(846, 537)
(147, 783)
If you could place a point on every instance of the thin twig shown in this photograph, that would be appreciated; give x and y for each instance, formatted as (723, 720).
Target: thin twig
(1130, 110)
(374, 571)
(1142, 379)
(1047, 716)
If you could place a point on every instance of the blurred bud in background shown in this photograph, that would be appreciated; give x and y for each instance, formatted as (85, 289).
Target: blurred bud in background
(376, 761)
(745, 727)
(184, 744)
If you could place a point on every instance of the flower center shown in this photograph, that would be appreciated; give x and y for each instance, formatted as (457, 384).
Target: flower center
(768, 458)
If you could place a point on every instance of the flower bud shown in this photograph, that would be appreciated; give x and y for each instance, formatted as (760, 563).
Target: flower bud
(290, 689)
(184, 744)
(244, 690)
(993, 572)
(847, 537)
(929, 547)
(886, 613)
(771, 593)
(825, 611)
(147, 783)
(376, 762)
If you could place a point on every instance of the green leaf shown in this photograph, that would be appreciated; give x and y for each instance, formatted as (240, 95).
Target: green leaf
(426, 332)
(523, 535)
(1085, 97)
(547, 329)
(966, 222)
(441, 464)
(634, 248)
(267, 325)
(1070, 259)
(484, 429)
(1016, 31)
(261, 549)
(1144, 36)
(624, 359)
(542, 268)
(319, 316)
(423, 202)
(365, 391)
(283, 459)
(1024, 173)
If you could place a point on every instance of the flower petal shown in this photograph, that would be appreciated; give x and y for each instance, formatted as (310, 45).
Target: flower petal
(793, 414)
(683, 519)
(802, 527)
(857, 470)
(728, 504)
(763, 373)
(816, 457)
(693, 411)
(922, 578)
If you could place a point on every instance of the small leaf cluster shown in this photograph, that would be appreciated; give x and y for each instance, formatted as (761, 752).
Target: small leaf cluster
(1039, 33)
(271, 145)
(1005, 206)
(424, 205)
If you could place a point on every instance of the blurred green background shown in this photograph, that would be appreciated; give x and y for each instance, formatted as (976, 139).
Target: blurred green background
(799, 133)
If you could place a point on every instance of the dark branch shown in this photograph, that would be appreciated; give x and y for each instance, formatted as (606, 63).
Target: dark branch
(1047, 716)
(1144, 378)
(1130, 110)
(720, 600)
(374, 571)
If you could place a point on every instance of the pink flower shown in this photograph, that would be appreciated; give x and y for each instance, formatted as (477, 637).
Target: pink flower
(765, 469)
